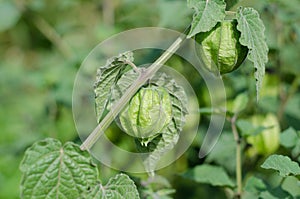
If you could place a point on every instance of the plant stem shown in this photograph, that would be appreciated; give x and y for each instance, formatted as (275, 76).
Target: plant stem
(238, 156)
(140, 81)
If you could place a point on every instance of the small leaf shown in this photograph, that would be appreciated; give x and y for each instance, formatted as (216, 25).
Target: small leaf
(255, 185)
(257, 188)
(283, 164)
(252, 35)
(288, 138)
(106, 78)
(207, 14)
(291, 184)
(119, 187)
(248, 129)
(209, 174)
(240, 103)
(51, 170)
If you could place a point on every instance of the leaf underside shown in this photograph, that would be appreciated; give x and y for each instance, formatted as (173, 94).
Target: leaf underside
(207, 14)
(106, 78)
(252, 35)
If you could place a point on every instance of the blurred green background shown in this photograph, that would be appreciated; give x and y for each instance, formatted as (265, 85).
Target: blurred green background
(43, 42)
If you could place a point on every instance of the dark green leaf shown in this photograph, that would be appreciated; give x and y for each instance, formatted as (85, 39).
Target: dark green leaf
(51, 170)
(257, 188)
(209, 174)
(252, 35)
(231, 3)
(283, 164)
(207, 14)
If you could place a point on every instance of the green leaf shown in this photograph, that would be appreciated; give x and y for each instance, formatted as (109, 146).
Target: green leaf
(223, 151)
(283, 164)
(252, 35)
(291, 184)
(289, 137)
(51, 170)
(255, 185)
(207, 14)
(248, 129)
(106, 78)
(240, 103)
(257, 188)
(156, 187)
(209, 174)
(119, 187)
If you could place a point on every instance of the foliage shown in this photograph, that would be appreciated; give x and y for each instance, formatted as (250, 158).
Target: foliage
(43, 43)
(51, 170)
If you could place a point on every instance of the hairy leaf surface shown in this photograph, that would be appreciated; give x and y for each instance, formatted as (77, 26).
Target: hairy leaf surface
(118, 187)
(207, 14)
(106, 78)
(52, 170)
(252, 35)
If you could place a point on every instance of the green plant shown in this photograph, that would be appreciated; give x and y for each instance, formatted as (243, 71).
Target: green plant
(53, 170)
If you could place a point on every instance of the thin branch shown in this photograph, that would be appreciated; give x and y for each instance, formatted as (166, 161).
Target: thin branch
(134, 67)
(238, 156)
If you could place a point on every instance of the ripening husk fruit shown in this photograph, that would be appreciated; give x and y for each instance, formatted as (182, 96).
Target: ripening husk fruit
(220, 48)
(147, 114)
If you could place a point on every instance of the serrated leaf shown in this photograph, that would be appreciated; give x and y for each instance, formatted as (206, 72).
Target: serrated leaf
(207, 14)
(289, 138)
(283, 164)
(209, 174)
(252, 35)
(52, 170)
(118, 187)
(106, 78)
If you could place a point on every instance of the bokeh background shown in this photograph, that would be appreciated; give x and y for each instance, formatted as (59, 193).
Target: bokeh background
(43, 42)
